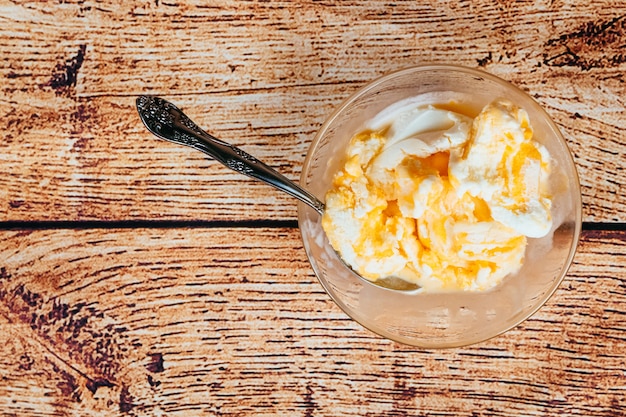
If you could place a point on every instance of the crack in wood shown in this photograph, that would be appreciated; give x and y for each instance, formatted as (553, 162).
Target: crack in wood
(591, 45)
(77, 346)
(65, 74)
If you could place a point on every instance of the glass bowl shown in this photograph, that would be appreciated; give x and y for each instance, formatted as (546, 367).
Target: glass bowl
(452, 319)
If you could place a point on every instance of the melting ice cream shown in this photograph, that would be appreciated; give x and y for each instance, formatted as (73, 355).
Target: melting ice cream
(437, 197)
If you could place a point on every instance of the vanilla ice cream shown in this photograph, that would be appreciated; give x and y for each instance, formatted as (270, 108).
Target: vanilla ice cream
(434, 196)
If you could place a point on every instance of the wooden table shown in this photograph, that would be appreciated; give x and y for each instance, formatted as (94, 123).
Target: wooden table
(139, 278)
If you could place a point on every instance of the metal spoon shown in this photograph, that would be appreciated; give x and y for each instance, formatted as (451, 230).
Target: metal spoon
(168, 122)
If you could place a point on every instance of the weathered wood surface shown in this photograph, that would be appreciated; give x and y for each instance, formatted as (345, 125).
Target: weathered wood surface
(265, 76)
(226, 317)
(191, 322)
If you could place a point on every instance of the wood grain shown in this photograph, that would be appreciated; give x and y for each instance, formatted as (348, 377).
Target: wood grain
(265, 76)
(139, 278)
(200, 321)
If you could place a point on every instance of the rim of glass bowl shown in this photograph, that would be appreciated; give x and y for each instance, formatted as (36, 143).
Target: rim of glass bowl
(577, 209)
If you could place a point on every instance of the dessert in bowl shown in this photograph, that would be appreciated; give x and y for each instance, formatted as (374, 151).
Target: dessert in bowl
(453, 180)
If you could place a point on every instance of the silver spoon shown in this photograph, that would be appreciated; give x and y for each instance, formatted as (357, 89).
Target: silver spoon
(168, 122)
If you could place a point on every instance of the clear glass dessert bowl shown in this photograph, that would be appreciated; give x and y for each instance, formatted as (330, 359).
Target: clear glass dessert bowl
(441, 319)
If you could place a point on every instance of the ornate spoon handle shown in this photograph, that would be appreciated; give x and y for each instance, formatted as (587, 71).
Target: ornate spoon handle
(166, 121)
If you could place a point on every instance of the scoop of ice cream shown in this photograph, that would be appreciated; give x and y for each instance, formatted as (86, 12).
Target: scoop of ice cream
(401, 207)
(421, 131)
(504, 166)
